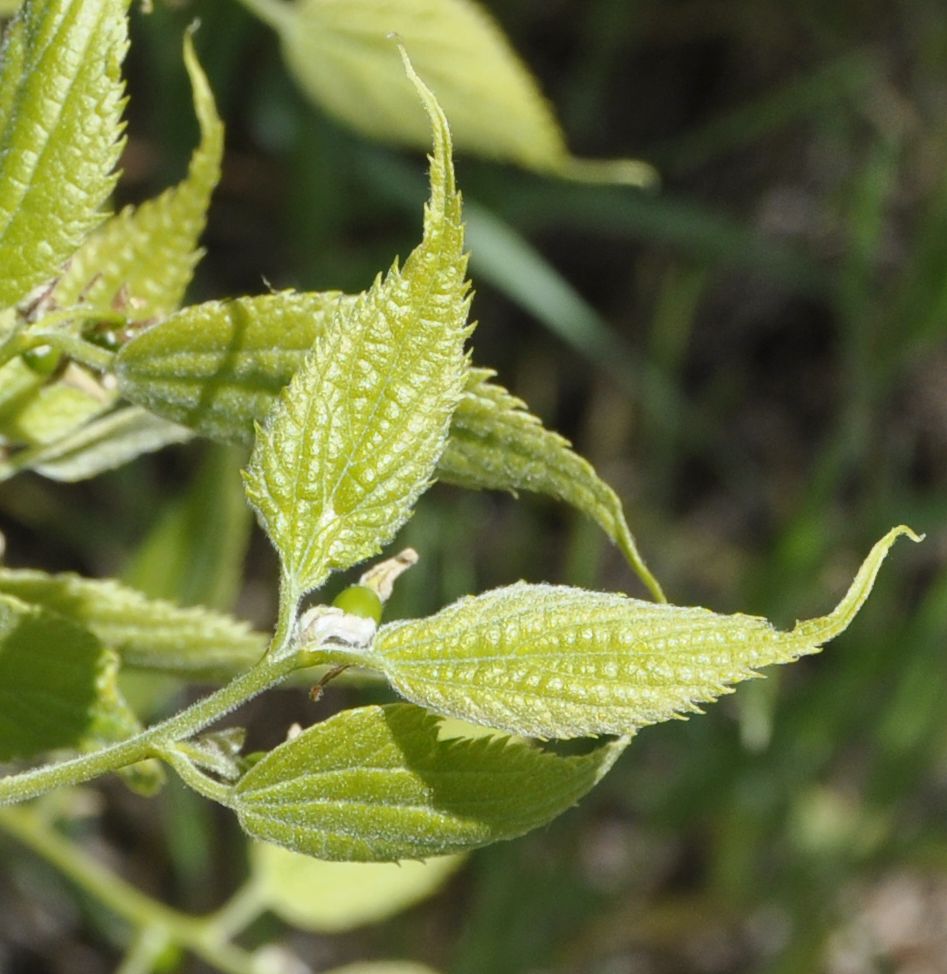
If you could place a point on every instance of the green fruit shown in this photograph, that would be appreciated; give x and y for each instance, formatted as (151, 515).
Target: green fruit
(359, 600)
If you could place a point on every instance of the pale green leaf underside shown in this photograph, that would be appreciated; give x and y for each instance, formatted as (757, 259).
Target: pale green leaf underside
(375, 784)
(331, 897)
(144, 257)
(104, 444)
(217, 367)
(51, 673)
(60, 106)
(148, 633)
(496, 444)
(353, 440)
(341, 55)
(557, 662)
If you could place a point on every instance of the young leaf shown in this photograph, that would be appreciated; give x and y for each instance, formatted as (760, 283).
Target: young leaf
(146, 255)
(331, 897)
(496, 444)
(338, 52)
(147, 633)
(556, 662)
(375, 785)
(51, 674)
(102, 444)
(217, 367)
(353, 439)
(60, 106)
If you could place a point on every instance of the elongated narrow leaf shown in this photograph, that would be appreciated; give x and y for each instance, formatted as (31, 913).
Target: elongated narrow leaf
(51, 673)
(145, 256)
(60, 104)
(104, 444)
(147, 633)
(353, 440)
(217, 367)
(558, 662)
(376, 785)
(496, 444)
(329, 897)
(340, 55)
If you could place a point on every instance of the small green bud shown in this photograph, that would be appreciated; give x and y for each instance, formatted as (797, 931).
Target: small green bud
(43, 359)
(359, 600)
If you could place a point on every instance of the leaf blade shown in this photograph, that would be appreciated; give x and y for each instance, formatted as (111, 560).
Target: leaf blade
(62, 97)
(375, 785)
(352, 441)
(558, 662)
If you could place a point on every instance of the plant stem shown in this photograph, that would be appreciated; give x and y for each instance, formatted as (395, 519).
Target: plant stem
(143, 912)
(29, 784)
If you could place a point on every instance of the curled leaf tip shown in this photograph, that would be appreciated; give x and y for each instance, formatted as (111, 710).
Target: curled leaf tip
(821, 630)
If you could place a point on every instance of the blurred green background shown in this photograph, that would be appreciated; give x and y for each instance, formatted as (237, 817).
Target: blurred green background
(754, 356)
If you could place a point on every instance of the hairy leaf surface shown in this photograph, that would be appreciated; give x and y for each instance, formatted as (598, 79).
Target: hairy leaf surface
(61, 97)
(362, 892)
(147, 633)
(496, 444)
(217, 367)
(557, 662)
(376, 784)
(341, 55)
(353, 439)
(51, 674)
(144, 257)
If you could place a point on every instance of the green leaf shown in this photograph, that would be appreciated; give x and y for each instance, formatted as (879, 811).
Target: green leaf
(341, 56)
(375, 785)
(557, 662)
(217, 367)
(331, 897)
(147, 633)
(496, 444)
(353, 439)
(145, 256)
(51, 675)
(61, 98)
(102, 444)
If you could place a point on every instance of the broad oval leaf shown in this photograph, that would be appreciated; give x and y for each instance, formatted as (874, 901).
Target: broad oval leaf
(496, 444)
(144, 257)
(330, 897)
(61, 98)
(557, 662)
(341, 56)
(353, 440)
(148, 633)
(376, 785)
(217, 367)
(52, 673)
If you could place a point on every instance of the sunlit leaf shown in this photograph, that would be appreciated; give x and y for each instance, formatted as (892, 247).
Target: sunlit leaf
(147, 633)
(558, 662)
(51, 675)
(353, 439)
(144, 257)
(376, 784)
(341, 55)
(217, 367)
(61, 97)
(330, 897)
(495, 443)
